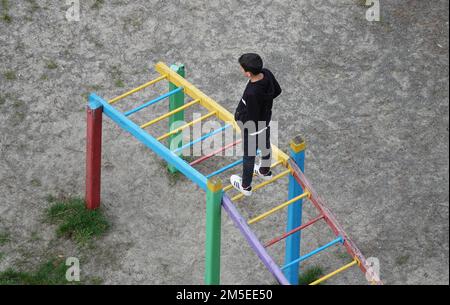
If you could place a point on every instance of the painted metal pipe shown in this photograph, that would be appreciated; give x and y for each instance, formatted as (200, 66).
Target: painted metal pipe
(204, 137)
(230, 186)
(277, 208)
(223, 148)
(225, 168)
(175, 101)
(160, 98)
(93, 156)
(164, 136)
(303, 226)
(295, 211)
(116, 99)
(168, 114)
(253, 241)
(257, 187)
(302, 258)
(159, 149)
(213, 229)
(331, 274)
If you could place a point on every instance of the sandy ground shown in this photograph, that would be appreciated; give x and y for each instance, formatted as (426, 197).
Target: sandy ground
(371, 98)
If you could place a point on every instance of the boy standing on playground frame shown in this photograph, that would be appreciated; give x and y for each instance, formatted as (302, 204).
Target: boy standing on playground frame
(253, 115)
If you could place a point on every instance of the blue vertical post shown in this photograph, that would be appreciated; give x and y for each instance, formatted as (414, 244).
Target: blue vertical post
(294, 219)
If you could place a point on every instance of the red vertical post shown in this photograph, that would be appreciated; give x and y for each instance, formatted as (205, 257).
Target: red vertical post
(93, 156)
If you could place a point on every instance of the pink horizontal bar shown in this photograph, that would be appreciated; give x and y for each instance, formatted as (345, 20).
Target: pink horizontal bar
(275, 240)
(206, 157)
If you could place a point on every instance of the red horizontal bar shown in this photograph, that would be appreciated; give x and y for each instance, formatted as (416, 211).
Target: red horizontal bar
(275, 240)
(206, 157)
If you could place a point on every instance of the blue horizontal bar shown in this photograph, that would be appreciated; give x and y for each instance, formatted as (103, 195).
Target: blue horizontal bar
(225, 168)
(166, 95)
(95, 101)
(302, 258)
(202, 138)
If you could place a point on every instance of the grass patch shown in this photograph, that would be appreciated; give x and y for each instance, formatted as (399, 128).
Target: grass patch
(132, 23)
(36, 182)
(4, 238)
(10, 75)
(5, 12)
(35, 236)
(7, 18)
(51, 65)
(310, 275)
(119, 83)
(52, 272)
(97, 4)
(401, 260)
(116, 75)
(361, 3)
(2, 100)
(75, 221)
(188, 159)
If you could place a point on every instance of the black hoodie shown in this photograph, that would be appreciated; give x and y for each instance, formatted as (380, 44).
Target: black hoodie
(256, 102)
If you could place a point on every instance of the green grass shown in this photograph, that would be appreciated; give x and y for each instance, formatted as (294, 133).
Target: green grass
(4, 238)
(188, 159)
(51, 65)
(361, 3)
(10, 75)
(36, 182)
(116, 75)
(310, 275)
(75, 221)
(119, 83)
(5, 12)
(401, 260)
(7, 18)
(52, 272)
(97, 4)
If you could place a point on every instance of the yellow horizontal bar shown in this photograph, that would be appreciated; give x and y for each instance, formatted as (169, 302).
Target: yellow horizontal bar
(326, 277)
(168, 114)
(280, 175)
(186, 126)
(209, 103)
(137, 89)
(281, 206)
(230, 186)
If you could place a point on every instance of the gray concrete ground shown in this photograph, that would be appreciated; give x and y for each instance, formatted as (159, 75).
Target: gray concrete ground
(371, 98)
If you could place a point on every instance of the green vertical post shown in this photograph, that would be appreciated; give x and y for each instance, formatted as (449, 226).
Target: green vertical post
(213, 230)
(175, 101)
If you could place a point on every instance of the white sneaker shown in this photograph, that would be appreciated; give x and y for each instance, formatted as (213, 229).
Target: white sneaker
(256, 171)
(236, 182)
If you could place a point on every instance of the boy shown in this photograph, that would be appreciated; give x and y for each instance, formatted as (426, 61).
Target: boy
(254, 113)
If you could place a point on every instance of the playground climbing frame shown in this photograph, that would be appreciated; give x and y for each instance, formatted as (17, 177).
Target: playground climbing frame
(299, 188)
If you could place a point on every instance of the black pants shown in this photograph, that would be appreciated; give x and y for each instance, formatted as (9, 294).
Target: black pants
(260, 141)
